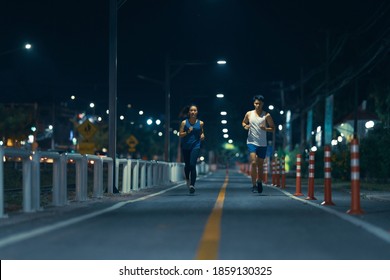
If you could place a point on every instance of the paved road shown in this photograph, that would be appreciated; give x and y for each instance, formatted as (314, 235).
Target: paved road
(222, 220)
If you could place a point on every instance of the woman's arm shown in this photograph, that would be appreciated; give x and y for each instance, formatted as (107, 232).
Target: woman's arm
(182, 133)
(202, 136)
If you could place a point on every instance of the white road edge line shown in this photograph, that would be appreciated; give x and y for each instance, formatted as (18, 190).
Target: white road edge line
(377, 231)
(14, 238)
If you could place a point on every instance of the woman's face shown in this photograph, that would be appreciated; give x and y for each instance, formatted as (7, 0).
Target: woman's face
(193, 112)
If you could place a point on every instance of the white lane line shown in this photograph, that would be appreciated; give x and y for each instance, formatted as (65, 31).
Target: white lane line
(14, 238)
(377, 231)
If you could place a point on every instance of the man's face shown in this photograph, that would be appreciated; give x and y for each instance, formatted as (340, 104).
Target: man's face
(258, 104)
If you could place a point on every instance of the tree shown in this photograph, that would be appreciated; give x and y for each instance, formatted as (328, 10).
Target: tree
(16, 122)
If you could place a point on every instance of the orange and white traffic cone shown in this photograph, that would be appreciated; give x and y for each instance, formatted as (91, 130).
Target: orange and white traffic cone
(283, 173)
(355, 179)
(273, 172)
(310, 189)
(278, 172)
(327, 177)
(265, 171)
(298, 185)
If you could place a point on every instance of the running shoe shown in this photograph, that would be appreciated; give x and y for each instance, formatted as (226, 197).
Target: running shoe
(259, 187)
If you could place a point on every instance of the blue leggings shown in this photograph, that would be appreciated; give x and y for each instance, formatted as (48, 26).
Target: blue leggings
(190, 158)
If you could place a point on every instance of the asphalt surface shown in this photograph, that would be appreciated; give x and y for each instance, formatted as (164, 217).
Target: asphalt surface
(222, 220)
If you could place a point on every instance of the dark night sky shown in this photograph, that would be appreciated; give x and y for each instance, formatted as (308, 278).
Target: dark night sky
(264, 42)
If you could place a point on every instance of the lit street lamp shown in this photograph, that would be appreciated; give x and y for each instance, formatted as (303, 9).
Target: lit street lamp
(27, 46)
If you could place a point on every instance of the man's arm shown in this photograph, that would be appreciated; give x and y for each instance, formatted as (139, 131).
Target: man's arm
(245, 121)
(270, 123)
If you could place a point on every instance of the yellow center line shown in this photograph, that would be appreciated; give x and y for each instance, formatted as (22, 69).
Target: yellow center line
(209, 244)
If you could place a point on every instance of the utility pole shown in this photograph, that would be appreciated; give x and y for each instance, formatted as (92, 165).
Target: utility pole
(282, 94)
(112, 122)
(287, 120)
(355, 119)
(302, 118)
(167, 145)
(328, 125)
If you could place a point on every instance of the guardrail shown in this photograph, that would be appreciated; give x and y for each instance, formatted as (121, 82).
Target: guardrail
(135, 175)
(27, 177)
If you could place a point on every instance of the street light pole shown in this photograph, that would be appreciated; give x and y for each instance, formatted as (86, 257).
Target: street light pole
(112, 83)
(167, 149)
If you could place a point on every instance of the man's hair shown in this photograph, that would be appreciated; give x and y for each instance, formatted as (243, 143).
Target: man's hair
(258, 97)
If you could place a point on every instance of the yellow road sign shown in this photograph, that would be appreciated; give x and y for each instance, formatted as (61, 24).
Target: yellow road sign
(132, 142)
(87, 129)
(87, 148)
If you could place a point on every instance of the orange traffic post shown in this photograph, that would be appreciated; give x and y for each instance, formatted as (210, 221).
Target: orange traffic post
(277, 172)
(273, 172)
(283, 173)
(310, 188)
(327, 177)
(298, 185)
(355, 179)
(265, 171)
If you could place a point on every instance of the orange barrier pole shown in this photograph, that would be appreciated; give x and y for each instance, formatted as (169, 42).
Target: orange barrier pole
(310, 189)
(265, 171)
(355, 179)
(298, 185)
(283, 173)
(327, 177)
(277, 172)
(273, 172)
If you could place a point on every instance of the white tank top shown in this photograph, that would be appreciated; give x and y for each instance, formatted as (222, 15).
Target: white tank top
(256, 135)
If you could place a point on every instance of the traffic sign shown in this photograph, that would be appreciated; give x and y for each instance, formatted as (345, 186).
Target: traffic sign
(132, 142)
(87, 129)
(87, 148)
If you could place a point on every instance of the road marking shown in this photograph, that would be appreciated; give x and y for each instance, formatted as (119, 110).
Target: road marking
(209, 244)
(377, 231)
(14, 238)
